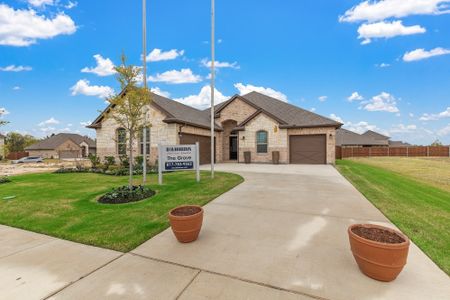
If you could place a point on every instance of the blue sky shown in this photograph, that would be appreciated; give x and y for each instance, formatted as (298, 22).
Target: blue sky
(315, 54)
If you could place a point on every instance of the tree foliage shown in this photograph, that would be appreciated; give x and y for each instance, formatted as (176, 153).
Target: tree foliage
(16, 142)
(129, 107)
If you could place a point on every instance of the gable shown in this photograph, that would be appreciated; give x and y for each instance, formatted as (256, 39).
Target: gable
(237, 110)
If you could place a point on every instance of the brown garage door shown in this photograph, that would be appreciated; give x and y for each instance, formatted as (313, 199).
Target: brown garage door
(204, 142)
(307, 149)
(68, 154)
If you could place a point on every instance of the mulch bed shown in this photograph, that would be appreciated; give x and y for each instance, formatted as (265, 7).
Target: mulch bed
(186, 211)
(378, 235)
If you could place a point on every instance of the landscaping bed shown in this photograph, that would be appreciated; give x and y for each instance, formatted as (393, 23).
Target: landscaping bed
(125, 194)
(65, 205)
(420, 210)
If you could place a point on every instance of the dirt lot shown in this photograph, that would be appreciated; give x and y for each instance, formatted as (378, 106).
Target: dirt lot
(6, 168)
(434, 171)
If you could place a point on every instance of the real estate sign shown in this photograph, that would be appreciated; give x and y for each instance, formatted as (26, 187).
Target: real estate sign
(178, 157)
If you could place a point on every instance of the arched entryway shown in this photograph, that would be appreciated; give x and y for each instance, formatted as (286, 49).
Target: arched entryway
(230, 141)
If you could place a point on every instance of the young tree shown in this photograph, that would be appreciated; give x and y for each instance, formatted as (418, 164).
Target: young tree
(436, 143)
(129, 106)
(15, 142)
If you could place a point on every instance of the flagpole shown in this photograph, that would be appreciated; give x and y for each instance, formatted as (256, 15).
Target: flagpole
(212, 88)
(144, 75)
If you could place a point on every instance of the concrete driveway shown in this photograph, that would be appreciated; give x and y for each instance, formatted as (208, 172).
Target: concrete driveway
(279, 235)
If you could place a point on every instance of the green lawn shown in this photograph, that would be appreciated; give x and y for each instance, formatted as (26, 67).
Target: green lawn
(64, 205)
(421, 211)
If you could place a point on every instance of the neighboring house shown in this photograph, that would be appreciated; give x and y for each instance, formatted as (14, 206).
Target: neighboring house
(347, 138)
(2, 146)
(253, 122)
(63, 146)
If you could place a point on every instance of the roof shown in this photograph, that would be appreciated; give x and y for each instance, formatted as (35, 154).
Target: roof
(175, 111)
(398, 144)
(288, 115)
(346, 137)
(56, 140)
(375, 135)
(2, 136)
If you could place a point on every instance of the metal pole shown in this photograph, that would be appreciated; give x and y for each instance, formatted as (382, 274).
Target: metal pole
(212, 88)
(144, 75)
(197, 161)
(160, 164)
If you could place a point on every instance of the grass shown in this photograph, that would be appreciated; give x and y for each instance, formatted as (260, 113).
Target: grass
(434, 171)
(65, 206)
(420, 210)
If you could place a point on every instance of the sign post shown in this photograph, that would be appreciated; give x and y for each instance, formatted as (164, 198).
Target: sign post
(178, 158)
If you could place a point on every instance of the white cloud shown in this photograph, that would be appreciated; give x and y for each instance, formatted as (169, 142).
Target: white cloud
(160, 92)
(39, 3)
(16, 88)
(382, 102)
(159, 55)
(383, 65)
(14, 68)
(337, 118)
(203, 99)
(379, 10)
(361, 127)
(3, 112)
(411, 115)
(47, 129)
(176, 77)
(444, 131)
(383, 29)
(420, 54)
(82, 87)
(355, 96)
(84, 124)
(438, 116)
(245, 89)
(23, 27)
(71, 4)
(51, 121)
(312, 109)
(105, 67)
(323, 98)
(69, 125)
(401, 128)
(220, 64)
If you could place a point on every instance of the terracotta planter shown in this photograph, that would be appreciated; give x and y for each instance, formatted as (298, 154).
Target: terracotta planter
(186, 222)
(379, 260)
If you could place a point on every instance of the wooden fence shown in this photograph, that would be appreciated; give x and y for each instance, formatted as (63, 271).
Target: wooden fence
(413, 151)
(17, 155)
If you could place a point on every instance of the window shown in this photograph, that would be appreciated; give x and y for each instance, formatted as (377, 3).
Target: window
(121, 141)
(141, 142)
(261, 141)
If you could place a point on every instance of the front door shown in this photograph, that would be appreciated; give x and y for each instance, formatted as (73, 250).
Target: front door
(233, 147)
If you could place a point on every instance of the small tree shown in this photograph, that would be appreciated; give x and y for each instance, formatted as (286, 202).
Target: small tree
(129, 106)
(436, 143)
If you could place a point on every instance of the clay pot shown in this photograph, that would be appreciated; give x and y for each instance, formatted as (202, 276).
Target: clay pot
(380, 261)
(186, 222)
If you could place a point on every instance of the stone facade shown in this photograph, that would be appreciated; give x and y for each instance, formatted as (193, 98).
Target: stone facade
(160, 133)
(2, 147)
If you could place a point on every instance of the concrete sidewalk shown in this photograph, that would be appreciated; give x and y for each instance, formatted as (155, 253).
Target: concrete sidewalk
(279, 235)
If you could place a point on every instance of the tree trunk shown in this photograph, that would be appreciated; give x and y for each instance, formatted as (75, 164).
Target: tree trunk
(130, 180)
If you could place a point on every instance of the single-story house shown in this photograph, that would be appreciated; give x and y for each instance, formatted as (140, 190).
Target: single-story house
(347, 138)
(253, 123)
(2, 146)
(63, 146)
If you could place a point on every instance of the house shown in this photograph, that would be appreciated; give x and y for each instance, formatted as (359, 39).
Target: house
(347, 138)
(63, 146)
(2, 146)
(253, 123)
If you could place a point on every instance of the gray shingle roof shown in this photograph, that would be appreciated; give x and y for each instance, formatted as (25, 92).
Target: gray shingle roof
(346, 137)
(56, 140)
(287, 114)
(375, 135)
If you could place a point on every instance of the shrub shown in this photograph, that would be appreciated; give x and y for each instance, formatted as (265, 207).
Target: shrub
(138, 160)
(95, 160)
(125, 194)
(124, 161)
(78, 169)
(4, 179)
(108, 161)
